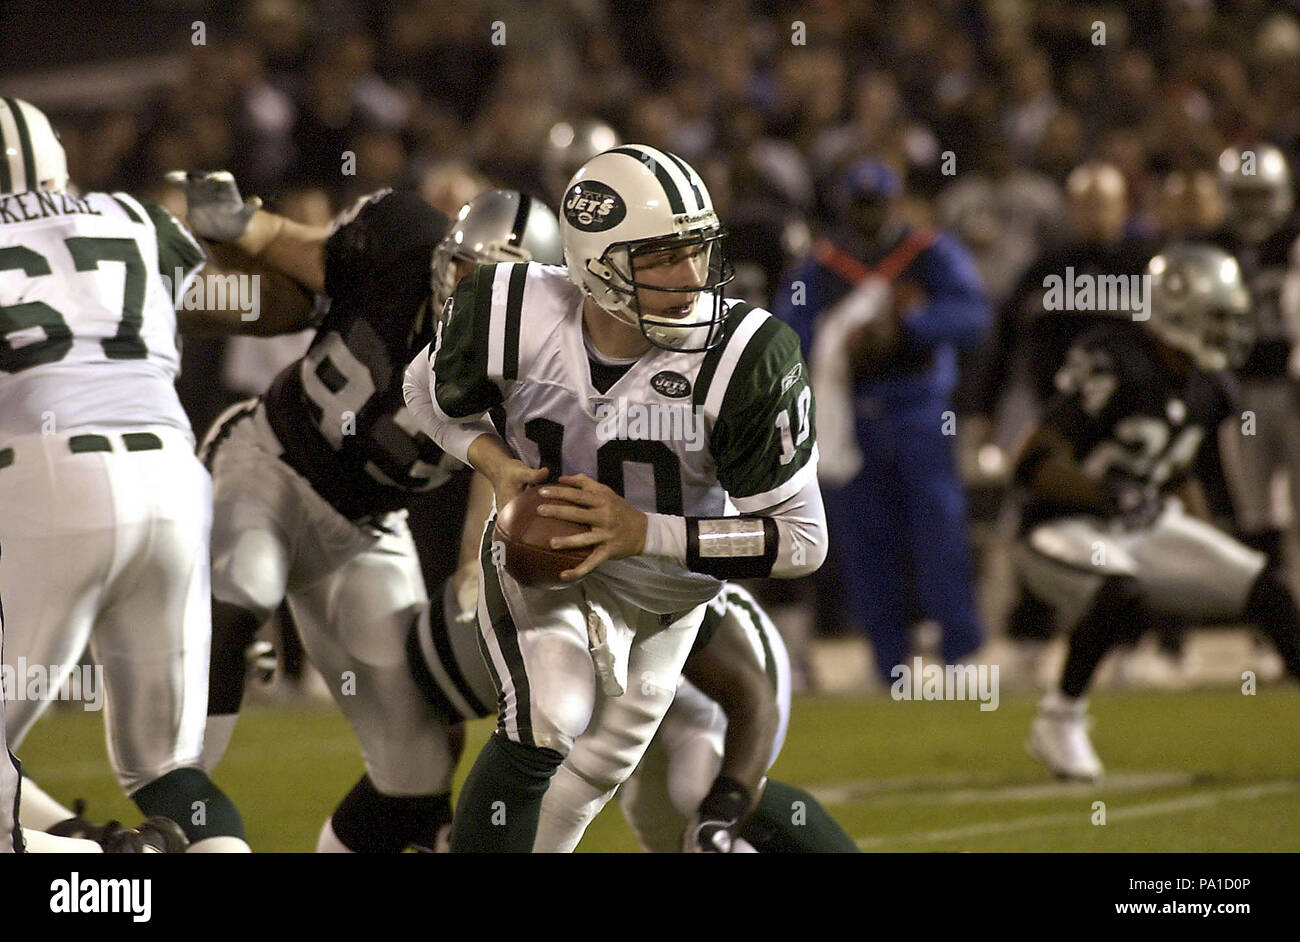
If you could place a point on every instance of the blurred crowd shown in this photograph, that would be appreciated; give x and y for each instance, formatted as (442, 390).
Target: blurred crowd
(985, 106)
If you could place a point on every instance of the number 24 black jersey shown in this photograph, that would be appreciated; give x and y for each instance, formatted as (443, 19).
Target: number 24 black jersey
(1125, 411)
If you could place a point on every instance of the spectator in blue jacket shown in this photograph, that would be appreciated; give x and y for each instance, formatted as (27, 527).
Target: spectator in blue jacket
(882, 308)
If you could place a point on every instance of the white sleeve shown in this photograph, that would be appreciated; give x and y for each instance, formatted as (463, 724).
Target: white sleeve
(454, 436)
(800, 522)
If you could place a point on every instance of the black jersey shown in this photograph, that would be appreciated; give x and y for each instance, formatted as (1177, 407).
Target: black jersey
(339, 411)
(1125, 411)
(1264, 268)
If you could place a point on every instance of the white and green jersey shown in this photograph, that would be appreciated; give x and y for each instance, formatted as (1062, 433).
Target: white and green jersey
(693, 435)
(87, 311)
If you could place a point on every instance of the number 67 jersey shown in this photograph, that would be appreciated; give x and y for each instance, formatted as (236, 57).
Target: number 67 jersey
(686, 434)
(88, 290)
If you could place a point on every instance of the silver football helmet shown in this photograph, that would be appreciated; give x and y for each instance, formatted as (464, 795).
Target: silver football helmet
(1256, 184)
(496, 226)
(1200, 305)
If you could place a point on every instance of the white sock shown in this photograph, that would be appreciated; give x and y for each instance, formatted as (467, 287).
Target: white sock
(222, 844)
(216, 740)
(38, 842)
(38, 810)
(329, 843)
(571, 803)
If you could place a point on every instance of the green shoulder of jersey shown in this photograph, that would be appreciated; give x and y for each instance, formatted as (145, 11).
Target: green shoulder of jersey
(764, 432)
(463, 382)
(179, 255)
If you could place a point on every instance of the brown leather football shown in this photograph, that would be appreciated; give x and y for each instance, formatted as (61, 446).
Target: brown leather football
(527, 539)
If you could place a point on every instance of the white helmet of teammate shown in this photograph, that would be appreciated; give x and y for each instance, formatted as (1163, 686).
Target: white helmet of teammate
(635, 200)
(1256, 183)
(496, 226)
(31, 157)
(1200, 305)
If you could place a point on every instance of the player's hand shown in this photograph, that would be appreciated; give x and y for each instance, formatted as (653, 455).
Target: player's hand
(510, 478)
(717, 822)
(216, 210)
(617, 528)
(1136, 503)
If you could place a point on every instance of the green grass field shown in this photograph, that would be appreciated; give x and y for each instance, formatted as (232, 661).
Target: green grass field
(1203, 771)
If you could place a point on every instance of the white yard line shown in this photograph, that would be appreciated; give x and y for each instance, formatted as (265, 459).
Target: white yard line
(948, 790)
(1148, 810)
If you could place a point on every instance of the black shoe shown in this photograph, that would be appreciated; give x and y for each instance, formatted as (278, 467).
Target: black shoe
(120, 840)
(77, 826)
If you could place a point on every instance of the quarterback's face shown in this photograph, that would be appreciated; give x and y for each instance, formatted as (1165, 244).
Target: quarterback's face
(681, 271)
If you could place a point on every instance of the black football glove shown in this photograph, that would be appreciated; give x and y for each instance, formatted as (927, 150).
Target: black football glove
(216, 210)
(718, 820)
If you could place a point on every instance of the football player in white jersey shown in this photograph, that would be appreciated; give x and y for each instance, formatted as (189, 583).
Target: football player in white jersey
(104, 509)
(657, 406)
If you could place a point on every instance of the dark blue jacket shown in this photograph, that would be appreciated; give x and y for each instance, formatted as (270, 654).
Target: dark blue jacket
(954, 315)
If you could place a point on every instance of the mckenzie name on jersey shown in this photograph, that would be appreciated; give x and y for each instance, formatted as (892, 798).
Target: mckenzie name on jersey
(88, 291)
(685, 434)
(339, 411)
(1125, 411)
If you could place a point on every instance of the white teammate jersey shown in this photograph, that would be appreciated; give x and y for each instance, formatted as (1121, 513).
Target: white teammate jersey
(87, 312)
(688, 434)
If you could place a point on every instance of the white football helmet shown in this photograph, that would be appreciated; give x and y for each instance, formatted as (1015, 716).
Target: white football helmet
(31, 157)
(496, 226)
(1256, 185)
(635, 200)
(1200, 305)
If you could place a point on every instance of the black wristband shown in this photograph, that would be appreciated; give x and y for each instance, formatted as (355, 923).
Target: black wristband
(732, 547)
(727, 801)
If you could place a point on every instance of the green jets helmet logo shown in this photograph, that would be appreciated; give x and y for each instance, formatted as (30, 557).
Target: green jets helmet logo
(590, 206)
(670, 384)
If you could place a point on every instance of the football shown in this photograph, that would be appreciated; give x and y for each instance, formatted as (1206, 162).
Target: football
(527, 537)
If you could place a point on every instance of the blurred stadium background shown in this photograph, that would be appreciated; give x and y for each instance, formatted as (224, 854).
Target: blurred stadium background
(769, 100)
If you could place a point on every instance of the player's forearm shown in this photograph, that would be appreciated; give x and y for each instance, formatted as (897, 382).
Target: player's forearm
(1193, 499)
(477, 509)
(1061, 480)
(454, 436)
(235, 301)
(1046, 466)
(289, 247)
(786, 542)
(726, 671)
